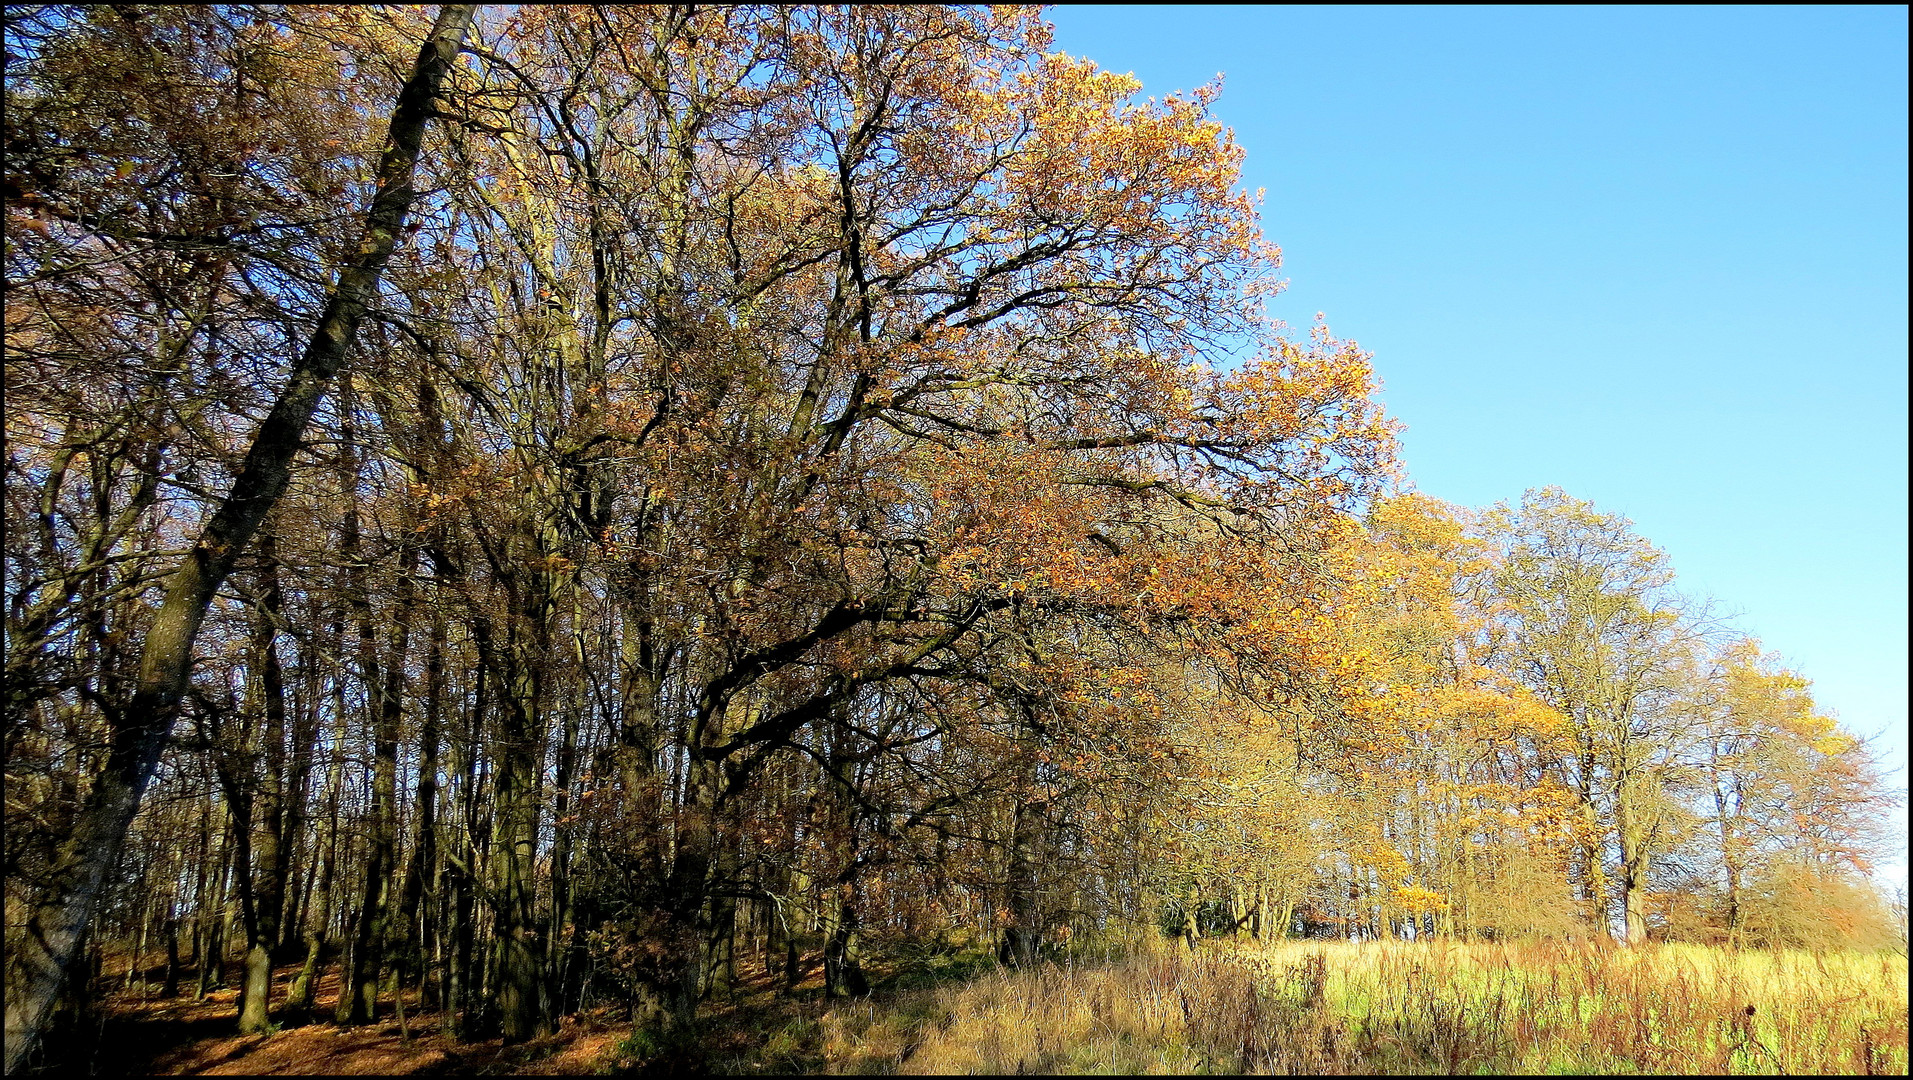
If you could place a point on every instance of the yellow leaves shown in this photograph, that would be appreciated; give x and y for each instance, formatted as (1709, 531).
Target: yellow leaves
(1419, 900)
(1835, 744)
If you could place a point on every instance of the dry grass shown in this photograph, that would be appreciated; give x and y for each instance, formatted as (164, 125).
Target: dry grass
(1420, 1008)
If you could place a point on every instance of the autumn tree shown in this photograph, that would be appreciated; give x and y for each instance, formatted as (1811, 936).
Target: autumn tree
(1788, 792)
(1587, 619)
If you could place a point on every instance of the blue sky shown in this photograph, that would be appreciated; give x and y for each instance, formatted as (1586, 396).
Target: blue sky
(1656, 256)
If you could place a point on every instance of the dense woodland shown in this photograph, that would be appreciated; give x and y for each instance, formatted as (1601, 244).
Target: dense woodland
(565, 506)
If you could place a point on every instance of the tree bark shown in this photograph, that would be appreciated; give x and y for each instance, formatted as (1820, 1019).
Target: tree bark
(462, 1001)
(843, 965)
(210, 919)
(693, 869)
(424, 861)
(1021, 936)
(1634, 856)
(1730, 858)
(267, 891)
(300, 850)
(518, 966)
(558, 954)
(1190, 929)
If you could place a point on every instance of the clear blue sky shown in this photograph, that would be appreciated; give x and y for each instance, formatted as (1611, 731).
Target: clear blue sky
(1656, 256)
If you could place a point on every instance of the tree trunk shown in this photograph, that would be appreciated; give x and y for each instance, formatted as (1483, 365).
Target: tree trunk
(300, 1000)
(640, 686)
(695, 870)
(202, 866)
(423, 864)
(843, 964)
(1594, 884)
(1190, 929)
(1023, 934)
(462, 996)
(720, 938)
(299, 855)
(458, 977)
(212, 914)
(557, 953)
(792, 920)
(240, 799)
(359, 995)
(139, 948)
(518, 954)
(171, 989)
(60, 918)
(1634, 858)
(267, 891)
(1021, 937)
(1730, 859)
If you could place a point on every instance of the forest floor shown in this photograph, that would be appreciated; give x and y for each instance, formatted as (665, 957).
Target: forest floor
(137, 1034)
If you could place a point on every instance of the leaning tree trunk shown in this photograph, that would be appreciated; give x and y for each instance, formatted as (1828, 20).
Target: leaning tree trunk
(60, 918)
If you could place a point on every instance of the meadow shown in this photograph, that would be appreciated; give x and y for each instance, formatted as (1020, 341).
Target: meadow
(1388, 1007)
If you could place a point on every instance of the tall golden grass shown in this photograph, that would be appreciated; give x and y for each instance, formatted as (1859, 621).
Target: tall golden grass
(1401, 1007)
